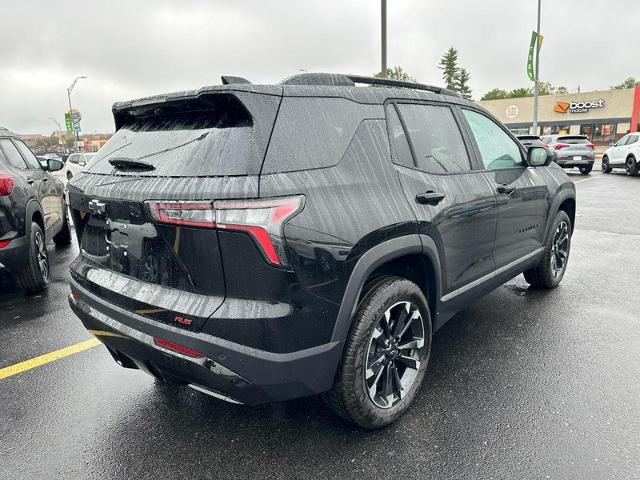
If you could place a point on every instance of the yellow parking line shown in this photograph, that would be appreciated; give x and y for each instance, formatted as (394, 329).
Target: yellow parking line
(47, 358)
(585, 180)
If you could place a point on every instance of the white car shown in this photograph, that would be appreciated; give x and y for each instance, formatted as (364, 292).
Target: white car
(625, 153)
(75, 163)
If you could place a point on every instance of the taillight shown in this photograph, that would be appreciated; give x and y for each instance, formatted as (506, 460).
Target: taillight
(263, 219)
(560, 146)
(591, 146)
(6, 185)
(4, 243)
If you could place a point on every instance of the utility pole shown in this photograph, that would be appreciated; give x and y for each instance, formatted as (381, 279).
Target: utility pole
(383, 35)
(536, 88)
(76, 137)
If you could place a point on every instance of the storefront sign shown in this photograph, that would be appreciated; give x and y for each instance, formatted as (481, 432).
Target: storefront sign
(577, 107)
(512, 111)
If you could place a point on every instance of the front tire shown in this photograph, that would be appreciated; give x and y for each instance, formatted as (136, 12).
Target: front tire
(385, 356)
(549, 272)
(586, 170)
(605, 165)
(35, 276)
(632, 166)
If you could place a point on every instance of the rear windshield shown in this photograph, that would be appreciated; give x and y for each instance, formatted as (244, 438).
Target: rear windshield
(193, 139)
(528, 137)
(573, 140)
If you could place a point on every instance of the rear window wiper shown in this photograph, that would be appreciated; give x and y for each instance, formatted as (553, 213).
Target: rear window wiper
(125, 163)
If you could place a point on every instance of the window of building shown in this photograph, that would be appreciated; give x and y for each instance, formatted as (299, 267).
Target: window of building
(436, 139)
(602, 133)
(555, 129)
(519, 130)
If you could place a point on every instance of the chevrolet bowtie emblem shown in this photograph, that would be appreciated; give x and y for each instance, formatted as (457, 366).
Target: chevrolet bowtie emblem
(96, 207)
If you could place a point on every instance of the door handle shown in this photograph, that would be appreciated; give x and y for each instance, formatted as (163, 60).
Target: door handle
(45, 179)
(505, 189)
(429, 198)
(30, 180)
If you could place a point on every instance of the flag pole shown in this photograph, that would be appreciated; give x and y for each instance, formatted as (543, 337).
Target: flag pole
(536, 88)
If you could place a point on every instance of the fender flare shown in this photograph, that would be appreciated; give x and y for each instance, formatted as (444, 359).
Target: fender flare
(372, 259)
(32, 207)
(564, 194)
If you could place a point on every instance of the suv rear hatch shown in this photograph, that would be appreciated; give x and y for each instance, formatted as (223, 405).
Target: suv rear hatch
(574, 145)
(186, 149)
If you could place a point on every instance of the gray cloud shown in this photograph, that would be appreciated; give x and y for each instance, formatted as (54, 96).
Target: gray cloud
(142, 47)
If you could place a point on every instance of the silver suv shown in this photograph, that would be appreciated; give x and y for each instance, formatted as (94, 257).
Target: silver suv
(570, 151)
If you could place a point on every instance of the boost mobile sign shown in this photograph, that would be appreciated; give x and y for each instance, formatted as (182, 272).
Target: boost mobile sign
(577, 107)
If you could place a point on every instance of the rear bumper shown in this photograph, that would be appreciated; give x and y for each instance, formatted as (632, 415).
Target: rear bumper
(569, 163)
(226, 370)
(14, 256)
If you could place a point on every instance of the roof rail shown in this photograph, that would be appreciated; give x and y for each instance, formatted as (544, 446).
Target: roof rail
(342, 80)
(389, 82)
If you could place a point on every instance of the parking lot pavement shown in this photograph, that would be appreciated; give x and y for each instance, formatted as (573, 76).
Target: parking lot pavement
(523, 384)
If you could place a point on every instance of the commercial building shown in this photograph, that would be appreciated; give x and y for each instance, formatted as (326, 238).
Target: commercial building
(603, 116)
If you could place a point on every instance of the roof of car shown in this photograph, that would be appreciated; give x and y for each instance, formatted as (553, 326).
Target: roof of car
(4, 132)
(377, 91)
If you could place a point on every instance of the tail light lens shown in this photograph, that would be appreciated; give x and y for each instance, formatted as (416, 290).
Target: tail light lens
(263, 219)
(6, 185)
(560, 146)
(591, 146)
(4, 243)
(189, 352)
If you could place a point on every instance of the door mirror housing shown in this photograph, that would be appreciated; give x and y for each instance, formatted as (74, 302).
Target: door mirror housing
(53, 165)
(81, 163)
(612, 144)
(538, 157)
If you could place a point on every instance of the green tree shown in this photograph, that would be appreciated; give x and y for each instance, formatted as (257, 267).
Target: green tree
(628, 83)
(495, 94)
(561, 91)
(520, 93)
(449, 66)
(462, 83)
(395, 73)
(545, 88)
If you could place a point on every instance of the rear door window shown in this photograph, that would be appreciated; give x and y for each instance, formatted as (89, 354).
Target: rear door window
(212, 139)
(437, 143)
(12, 154)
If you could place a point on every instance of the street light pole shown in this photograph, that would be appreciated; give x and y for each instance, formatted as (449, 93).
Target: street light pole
(69, 90)
(383, 35)
(536, 88)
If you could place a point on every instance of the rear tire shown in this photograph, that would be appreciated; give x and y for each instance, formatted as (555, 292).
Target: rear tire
(383, 366)
(69, 175)
(35, 276)
(586, 170)
(63, 237)
(632, 166)
(605, 165)
(550, 270)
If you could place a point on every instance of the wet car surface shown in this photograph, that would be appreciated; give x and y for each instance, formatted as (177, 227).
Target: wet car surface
(523, 384)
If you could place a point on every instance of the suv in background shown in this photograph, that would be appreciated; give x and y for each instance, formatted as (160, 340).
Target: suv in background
(571, 151)
(265, 242)
(531, 141)
(75, 163)
(32, 212)
(625, 153)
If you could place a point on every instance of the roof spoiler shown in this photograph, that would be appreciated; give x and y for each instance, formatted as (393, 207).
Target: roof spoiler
(229, 80)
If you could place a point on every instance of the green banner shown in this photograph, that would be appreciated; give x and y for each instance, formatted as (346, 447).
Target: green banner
(68, 123)
(532, 48)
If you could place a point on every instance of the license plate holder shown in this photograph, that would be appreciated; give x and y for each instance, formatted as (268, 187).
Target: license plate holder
(577, 157)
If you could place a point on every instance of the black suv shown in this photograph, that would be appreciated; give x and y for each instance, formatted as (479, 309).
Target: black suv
(32, 212)
(261, 243)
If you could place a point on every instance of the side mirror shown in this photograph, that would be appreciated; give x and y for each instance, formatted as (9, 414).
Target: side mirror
(538, 157)
(82, 164)
(612, 144)
(53, 165)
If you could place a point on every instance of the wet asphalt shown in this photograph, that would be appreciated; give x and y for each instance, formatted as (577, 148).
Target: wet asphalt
(523, 384)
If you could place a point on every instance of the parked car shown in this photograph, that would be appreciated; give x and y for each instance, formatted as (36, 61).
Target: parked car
(529, 141)
(32, 212)
(265, 242)
(571, 151)
(75, 163)
(625, 153)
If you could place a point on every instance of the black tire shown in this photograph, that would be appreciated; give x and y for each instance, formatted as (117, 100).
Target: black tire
(605, 165)
(632, 166)
(69, 175)
(544, 275)
(35, 276)
(63, 237)
(586, 170)
(350, 397)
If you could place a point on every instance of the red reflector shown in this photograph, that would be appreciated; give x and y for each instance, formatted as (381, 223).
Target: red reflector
(4, 243)
(75, 296)
(560, 146)
(177, 348)
(6, 185)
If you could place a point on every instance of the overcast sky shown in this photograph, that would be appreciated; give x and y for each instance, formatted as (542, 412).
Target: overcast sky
(137, 48)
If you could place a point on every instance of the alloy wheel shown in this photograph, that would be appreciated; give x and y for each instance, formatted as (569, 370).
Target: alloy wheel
(41, 252)
(395, 352)
(560, 249)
